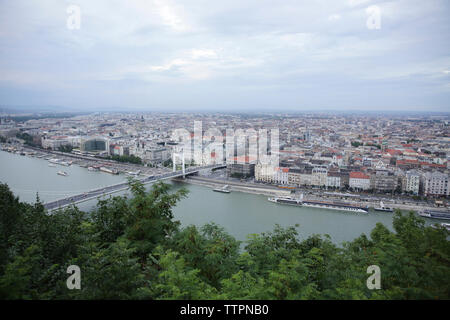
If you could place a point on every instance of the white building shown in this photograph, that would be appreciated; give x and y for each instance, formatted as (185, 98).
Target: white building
(436, 183)
(359, 181)
(281, 175)
(411, 182)
(270, 174)
(264, 172)
(118, 150)
(152, 154)
(319, 176)
(294, 177)
(55, 142)
(333, 180)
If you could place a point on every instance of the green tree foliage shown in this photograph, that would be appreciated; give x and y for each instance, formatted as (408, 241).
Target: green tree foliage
(66, 148)
(125, 158)
(149, 220)
(10, 220)
(27, 138)
(212, 251)
(378, 146)
(21, 277)
(168, 163)
(108, 273)
(109, 219)
(132, 248)
(178, 280)
(356, 144)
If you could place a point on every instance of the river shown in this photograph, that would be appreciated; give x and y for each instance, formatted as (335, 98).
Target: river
(239, 213)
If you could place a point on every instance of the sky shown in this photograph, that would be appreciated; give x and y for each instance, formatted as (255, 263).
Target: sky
(246, 55)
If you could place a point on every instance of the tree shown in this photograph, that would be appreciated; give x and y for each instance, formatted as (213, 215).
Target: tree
(131, 248)
(243, 286)
(267, 249)
(126, 158)
(109, 273)
(66, 148)
(290, 280)
(11, 215)
(28, 139)
(177, 281)
(19, 280)
(168, 163)
(150, 218)
(213, 251)
(109, 219)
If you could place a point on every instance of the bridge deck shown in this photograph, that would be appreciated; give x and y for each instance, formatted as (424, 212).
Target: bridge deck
(89, 195)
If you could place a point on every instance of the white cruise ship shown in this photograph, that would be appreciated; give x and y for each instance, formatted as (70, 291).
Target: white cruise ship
(319, 204)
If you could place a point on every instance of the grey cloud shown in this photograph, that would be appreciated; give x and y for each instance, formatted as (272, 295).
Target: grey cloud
(249, 54)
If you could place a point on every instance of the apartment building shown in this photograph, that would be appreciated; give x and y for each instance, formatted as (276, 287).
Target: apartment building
(281, 175)
(383, 181)
(242, 166)
(55, 142)
(264, 172)
(333, 180)
(411, 182)
(319, 177)
(294, 176)
(270, 174)
(359, 181)
(436, 184)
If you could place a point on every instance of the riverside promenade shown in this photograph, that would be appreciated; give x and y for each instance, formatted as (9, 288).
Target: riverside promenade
(271, 190)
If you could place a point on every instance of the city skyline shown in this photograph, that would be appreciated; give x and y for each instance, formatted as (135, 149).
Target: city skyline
(203, 56)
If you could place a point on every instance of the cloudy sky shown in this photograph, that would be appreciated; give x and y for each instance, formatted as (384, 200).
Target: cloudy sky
(226, 55)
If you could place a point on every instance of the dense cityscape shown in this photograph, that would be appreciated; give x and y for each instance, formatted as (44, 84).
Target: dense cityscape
(374, 154)
(326, 163)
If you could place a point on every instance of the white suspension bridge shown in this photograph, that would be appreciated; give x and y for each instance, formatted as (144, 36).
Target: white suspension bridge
(92, 194)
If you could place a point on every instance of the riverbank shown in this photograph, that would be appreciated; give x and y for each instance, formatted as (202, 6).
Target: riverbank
(268, 190)
(232, 186)
(83, 160)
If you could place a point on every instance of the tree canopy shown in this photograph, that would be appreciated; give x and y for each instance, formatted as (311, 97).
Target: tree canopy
(132, 248)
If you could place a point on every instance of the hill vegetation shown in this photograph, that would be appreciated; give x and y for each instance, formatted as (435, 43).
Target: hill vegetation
(132, 248)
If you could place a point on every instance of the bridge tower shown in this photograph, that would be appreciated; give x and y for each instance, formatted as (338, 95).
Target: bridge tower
(174, 162)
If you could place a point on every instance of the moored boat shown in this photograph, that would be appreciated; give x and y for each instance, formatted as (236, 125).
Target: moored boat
(445, 225)
(54, 160)
(319, 204)
(134, 173)
(383, 208)
(112, 171)
(224, 189)
(434, 214)
(62, 173)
